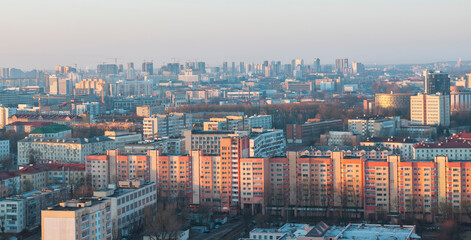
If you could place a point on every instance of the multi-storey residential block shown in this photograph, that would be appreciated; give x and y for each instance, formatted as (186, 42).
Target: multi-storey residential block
(24, 211)
(456, 147)
(114, 166)
(166, 125)
(398, 145)
(266, 143)
(9, 184)
(149, 110)
(65, 150)
(208, 141)
(5, 114)
(128, 203)
(78, 219)
(310, 131)
(39, 176)
(367, 152)
(433, 109)
(373, 127)
(4, 148)
(340, 138)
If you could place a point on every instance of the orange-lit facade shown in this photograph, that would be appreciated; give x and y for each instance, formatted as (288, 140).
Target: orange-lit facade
(297, 184)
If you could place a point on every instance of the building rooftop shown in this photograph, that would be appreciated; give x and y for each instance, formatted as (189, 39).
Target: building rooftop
(66, 140)
(51, 167)
(53, 128)
(390, 139)
(378, 232)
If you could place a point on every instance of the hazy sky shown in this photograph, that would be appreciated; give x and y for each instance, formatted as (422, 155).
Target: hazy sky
(44, 33)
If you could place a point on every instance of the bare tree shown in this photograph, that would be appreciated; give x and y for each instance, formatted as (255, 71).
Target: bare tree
(161, 222)
(33, 156)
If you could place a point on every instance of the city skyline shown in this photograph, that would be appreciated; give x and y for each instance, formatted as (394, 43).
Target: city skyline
(372, 32)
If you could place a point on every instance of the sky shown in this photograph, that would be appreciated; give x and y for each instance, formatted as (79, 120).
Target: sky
(46, 33)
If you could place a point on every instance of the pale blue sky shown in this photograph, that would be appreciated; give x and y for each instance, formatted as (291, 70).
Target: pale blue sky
(44, 33)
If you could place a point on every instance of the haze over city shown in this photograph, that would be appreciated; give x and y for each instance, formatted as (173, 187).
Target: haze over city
(42, 34)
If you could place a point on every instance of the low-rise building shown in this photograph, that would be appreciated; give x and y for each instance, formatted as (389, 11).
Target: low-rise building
(9, 184)
(323, 231)
(42, 175)
(121, 138)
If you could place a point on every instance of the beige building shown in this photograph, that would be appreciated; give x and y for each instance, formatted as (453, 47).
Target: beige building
(149, 110)
(5, 113)
(78, 219)
(70, 150)
(165, 125)
(433, 109)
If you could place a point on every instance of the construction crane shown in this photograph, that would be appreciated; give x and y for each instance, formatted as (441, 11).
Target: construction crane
(46, 97)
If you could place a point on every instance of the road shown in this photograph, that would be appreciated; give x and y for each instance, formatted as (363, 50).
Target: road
(231, 228)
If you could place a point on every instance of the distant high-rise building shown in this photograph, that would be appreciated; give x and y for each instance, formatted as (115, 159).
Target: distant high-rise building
(64, 87)
(64, 69)
(233, 67)
(53, 85)
(341, 65)
(358, 67)
(130, 74)
(430, 109)
(436, 82)
(201, 66)
(317, 65)
(224, 67)
(148, 67)
(106, 69)
(242, 67)
(297, 64)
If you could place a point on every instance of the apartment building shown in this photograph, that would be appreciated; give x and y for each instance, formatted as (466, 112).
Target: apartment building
(104, 169)
(208, 141)
(398, 145)
(433, 109)
(456, 147)
(24, 210)
(149, 110)
(367, 152)
(373, 126)
(128, 203)
(39, 176)
(9, 184)
(266, 143)
(65, 150)
(238, 123)
(78, 219)
(310, 131)
(160, 125)
(4, 148)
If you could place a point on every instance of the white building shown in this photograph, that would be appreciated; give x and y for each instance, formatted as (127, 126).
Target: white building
(128, 203)
(266, 143)
(78, 219)
(166, 125)
(373, 127)
(92, 108)
(264, 121)
(123, 138)
(456, 147)
(70, 150)
(401, 146)
(431, 109)
(5, 113)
